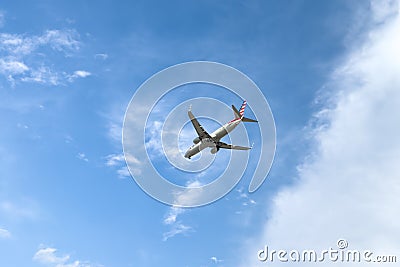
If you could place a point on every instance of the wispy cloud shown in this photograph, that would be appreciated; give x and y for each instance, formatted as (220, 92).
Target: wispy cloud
(4, 233)
(82, 156)
(215, 260)
(171, 218)
(114, 159)
(244, 197)
(49, 256)
(189, 196)
(102, 56)
(123, 172)
(78, 74)
(43, 75)
(177, 228)
(63, 41)
(172, 214)
(115, 131)
(115, 120)
(19, 45)
(349, 186)
(23, 209)
(23, 56)
(12, 67)
(81, 73)
(118, 161)
(153, 142)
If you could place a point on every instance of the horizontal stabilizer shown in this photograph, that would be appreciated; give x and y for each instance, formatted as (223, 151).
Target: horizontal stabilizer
(244, 119)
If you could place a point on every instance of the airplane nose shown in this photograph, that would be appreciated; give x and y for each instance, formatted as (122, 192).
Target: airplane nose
(187, 154)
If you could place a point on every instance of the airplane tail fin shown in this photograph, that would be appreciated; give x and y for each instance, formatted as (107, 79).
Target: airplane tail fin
(235, 112)
(240, 113)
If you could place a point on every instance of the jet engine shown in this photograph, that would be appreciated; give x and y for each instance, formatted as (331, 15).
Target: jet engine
(196, 140)
(214, 150)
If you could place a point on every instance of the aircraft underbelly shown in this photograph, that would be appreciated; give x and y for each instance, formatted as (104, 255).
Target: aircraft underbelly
(224, 130)
(206, 143)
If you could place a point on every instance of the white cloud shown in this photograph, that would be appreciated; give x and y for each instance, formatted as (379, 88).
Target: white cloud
(23, 209)
(78, 74)
(115, 120)
(153, 144)
(16, 45)
(178, 228)
(20, 45)
(171, 219)
(101, 56)
(48, 257)
(114, 131)
(18, 49)
(4, 233)
(82, 73)
(383, 9)
(215, 259)
(12, 67)
(190, 196)
(68, 139)
(43, 75)
(123, 172)
(114, 159)
(349, 187)
(118, 160)
(82, 156)
(172, 215)
(246, 200)
(63, 41)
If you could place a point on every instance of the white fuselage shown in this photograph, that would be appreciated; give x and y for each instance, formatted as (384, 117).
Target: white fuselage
(215, 137)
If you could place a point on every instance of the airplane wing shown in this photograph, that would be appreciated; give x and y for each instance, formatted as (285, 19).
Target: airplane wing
(199, 129)
(226, 146)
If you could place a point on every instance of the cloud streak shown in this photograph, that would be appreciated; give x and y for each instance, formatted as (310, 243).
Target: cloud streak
(178, 228)
(215, 260)
(82, 156)
(23, 209)
(118, 161)
(78, 74)
(18, 45)
(23, 56)
(49, 256)
(4, 233)
(171, 219)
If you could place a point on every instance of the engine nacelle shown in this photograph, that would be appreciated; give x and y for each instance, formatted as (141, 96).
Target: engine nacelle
(196, 140)
(214, 150)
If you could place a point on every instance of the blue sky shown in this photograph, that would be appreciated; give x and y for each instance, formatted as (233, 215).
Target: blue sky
(69, 68)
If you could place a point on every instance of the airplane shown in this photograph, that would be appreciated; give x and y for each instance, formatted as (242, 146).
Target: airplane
(212, 140)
